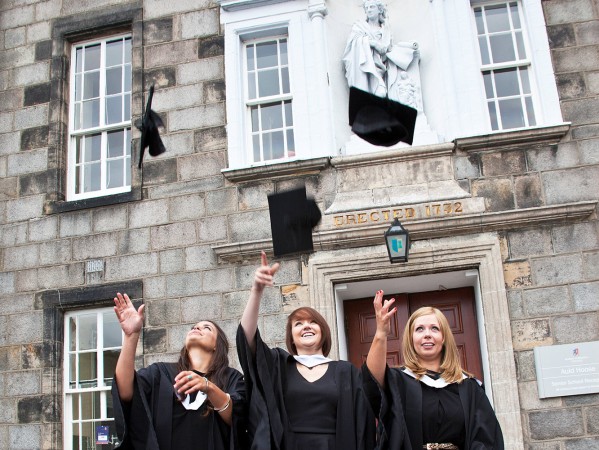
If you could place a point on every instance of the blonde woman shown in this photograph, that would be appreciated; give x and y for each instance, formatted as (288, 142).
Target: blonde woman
(430, 402)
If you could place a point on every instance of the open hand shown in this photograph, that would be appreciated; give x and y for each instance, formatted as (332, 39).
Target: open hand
(131, 320)
(383, 315)
(264, 274)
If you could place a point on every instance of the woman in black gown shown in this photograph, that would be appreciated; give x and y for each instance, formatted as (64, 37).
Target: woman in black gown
(430, 402)
(196, 403)
(300, 399)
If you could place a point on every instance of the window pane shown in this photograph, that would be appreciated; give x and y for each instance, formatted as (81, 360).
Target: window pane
(128, 141)
(127, 105)
(92, 177)
(87, 436)
(110, 359)
(114, 78)
(285, 80)
(78, 179)
(268, 83)
(277, 144)
(249, 53)
(114, 109)
(255, 120)
(283, 51)
(128, 50)
(478, 17)
(73, 371)
(251, 85)
(266, 54)
(72, 335)
(91, 85)
(493, 116)
(484, 50)
(75, 406)
(272, 116)
(79, 60)
(502, 48)
(77, 114)
(91, 113)
(88, 371)
(93, 147)
(506, 82)
(515, 15)
(87, 331)
(92, 57)
(525, 80)
(78, 87)
(520, 45)
(256, 147)
(530, 112)
(497, 18)
(288, 114)
(488, 84)
(115, 143)
(128, 78)
(290, 143)
(114, 174)
(114, 53)
(511, 113)
(128, 171)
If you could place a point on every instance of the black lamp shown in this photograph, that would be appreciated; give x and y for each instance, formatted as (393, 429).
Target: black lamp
(397, 240)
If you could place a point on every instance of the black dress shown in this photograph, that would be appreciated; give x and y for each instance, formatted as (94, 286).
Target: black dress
(156, 420)
(412, 413)
(290, 413)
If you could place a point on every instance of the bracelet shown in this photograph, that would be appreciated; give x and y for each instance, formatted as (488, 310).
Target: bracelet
(206, 380)
(226, 406)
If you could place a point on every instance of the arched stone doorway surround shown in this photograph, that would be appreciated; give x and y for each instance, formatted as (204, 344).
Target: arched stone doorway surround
(480, 252)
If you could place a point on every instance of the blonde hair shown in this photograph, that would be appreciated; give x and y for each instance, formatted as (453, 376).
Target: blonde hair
(450, 358)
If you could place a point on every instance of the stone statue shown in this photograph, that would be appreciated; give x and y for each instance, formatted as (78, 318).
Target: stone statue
(373, 63)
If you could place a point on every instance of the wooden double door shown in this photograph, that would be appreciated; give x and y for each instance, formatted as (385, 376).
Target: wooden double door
(457, 305)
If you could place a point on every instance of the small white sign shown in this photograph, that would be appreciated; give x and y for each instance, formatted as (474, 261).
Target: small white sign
(569, 369)
(95, 265)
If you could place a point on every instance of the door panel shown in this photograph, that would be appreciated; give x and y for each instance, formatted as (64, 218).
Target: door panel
(456, 304)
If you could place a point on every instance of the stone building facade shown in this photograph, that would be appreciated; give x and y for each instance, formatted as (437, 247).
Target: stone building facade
(510, 213)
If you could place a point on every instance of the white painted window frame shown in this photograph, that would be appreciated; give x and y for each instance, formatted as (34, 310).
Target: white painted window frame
(102, 387)
(103, 128)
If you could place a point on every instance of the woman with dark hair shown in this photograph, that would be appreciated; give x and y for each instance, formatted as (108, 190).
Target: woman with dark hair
(430, 402)
(196, 403)
(300, 398)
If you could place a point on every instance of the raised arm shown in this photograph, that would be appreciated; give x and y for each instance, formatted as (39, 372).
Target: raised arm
(249, 320)
(131, 323)
(377, 356)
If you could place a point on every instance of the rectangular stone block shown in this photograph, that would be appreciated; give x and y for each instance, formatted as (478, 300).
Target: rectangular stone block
(556, 270)
(158, 30)
(582, 444)
(36, 94)
(33, 138)
(528, 191)
(22, 383)
(134, 241)
(561, 36)
(172, 261)
(203, 70)
(546, 301)
(25, 328)
(568, 11)
(21, 257)
(9, 143)
(576, 328)
(163, 312)
(43, 229)
(173, 235)
(273, 330)
(199, 257)
(25, 437)
(211, 46)
(60, 276)
(203, 307)
(171, 53)
(109, 218)
(34, 116)
(157, 8)
(200, 23)
(530, 242)
(147, 213)
(588, 151)
(582, 111)
(213, 229)
(75, 224)
(24, 208)
(186, 207)
(13, 234)
(528, 334)
(131, 266)
(203, 116)
(38, 72)
(214, 91)
(154, 287)
(503, 163)
(571, 85)
(222, 201)
(177, 98)
(8, 188)
(525, 365)
(188, 187)
(249, 226)
(16, 303)
(556, 423)
(15, 37)
(529, 398)
(498, 193)
(576, 237)
(154, 340)
(27, 162)
(184, 284)
(39, 31)
(517, 274)
(95, 246)
(218, 280)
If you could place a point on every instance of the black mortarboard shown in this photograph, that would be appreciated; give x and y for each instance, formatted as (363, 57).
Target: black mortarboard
(379, 120)
(292, 217)
(149, 131)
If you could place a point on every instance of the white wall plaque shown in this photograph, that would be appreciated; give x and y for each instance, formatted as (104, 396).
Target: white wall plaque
(570, 369)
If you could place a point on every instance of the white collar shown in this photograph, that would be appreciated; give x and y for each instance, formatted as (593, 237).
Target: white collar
(195, 405)
(311, 361)
(438, 383)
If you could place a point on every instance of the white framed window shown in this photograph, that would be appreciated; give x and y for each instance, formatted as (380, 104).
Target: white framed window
(268, 100)
(506, 65)
(92, 344)
(99, 161)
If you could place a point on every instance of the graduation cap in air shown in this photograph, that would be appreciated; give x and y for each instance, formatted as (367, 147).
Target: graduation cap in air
(149, 131)
(379, 120)
(292, 217)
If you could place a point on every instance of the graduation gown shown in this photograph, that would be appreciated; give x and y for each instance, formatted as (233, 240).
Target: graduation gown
(399, 409)
(147, 421)
(268, 424)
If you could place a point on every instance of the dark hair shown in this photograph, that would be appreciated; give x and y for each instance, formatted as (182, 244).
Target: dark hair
(305, 312)
(217, 372)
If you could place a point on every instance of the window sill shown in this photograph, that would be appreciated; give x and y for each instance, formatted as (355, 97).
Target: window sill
(513, 139)
(55, 207)
(290, 169)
